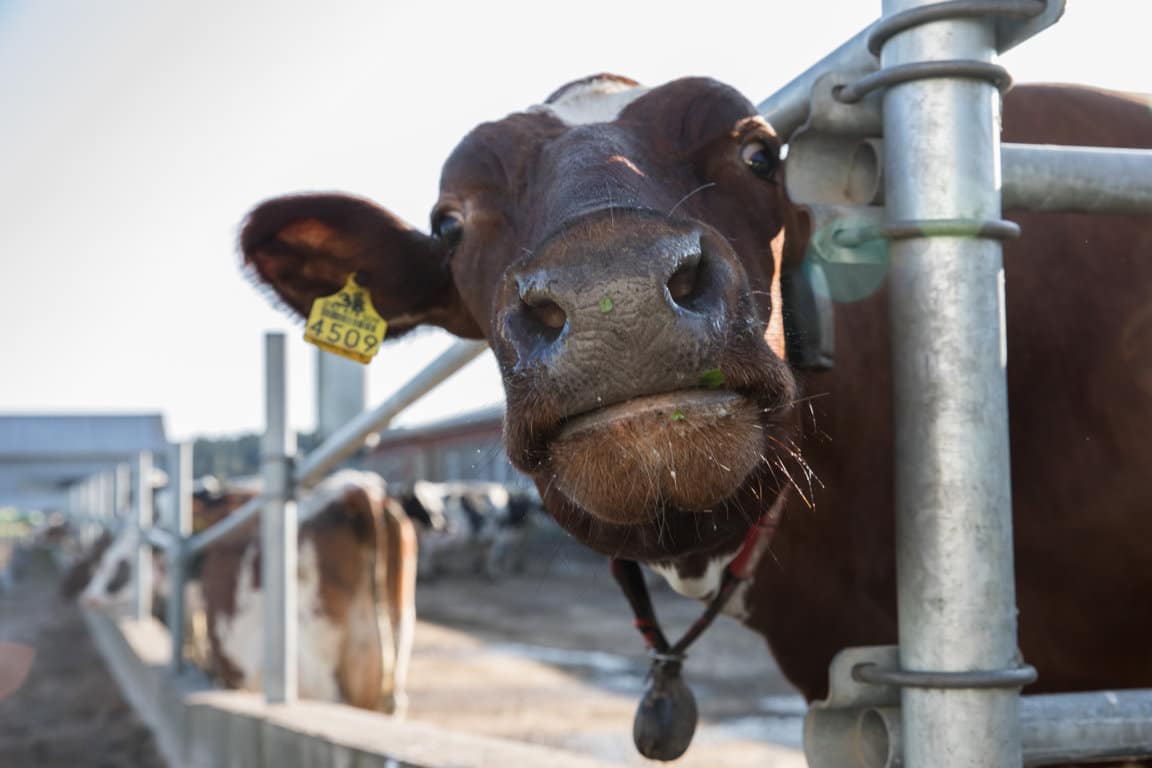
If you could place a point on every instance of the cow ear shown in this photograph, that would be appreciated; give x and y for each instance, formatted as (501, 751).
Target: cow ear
(797, 234)
(809, 325)
(304, 247)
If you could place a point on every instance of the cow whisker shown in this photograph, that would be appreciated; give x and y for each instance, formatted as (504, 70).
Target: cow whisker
(684, 199)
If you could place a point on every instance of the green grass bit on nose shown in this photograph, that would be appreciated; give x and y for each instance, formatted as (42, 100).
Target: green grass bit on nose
(677, 415)
(713, 378)
(606, 305)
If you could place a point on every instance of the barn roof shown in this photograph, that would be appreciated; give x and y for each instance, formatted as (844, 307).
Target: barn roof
(55, 436)
(41, 454)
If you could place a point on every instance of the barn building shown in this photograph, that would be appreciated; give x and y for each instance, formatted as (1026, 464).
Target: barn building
(468, 446)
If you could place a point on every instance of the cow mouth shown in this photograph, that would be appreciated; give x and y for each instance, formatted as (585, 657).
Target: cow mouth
(687, 450)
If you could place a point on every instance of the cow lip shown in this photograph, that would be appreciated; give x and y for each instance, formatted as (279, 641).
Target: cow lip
(679, 404)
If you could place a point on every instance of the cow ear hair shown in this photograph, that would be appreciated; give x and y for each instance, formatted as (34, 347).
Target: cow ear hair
(303, 247)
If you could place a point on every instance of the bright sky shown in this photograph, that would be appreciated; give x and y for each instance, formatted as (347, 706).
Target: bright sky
(135, 135)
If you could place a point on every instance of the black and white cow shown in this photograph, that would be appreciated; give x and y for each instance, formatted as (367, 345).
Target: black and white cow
(474, 527)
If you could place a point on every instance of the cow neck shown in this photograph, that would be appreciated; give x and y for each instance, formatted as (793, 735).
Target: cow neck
(628, 575)
(666, 717)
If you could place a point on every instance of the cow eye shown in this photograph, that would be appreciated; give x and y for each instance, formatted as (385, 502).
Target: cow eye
(760, 158)
(448, 227)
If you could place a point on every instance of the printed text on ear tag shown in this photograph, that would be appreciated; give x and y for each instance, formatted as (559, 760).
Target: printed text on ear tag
(346, 323)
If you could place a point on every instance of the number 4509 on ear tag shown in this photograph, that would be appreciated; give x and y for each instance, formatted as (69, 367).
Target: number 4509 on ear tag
(346, 323)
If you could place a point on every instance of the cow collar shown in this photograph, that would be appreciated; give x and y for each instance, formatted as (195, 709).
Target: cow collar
(666, 718)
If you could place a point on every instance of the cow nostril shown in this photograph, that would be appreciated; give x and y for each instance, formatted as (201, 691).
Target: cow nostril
(547, 313)
(684, 285)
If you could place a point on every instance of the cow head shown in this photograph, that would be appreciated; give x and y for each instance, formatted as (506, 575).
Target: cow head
(620, 249)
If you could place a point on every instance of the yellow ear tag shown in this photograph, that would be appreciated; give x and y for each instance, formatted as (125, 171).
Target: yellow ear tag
(346, 323)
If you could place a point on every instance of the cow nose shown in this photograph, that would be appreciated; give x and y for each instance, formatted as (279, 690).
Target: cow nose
(622, 305)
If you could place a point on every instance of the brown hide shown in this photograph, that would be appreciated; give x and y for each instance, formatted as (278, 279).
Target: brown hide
(362, 560)
(1079, 316)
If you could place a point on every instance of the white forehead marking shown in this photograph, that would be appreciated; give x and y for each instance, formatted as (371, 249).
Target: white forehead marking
(598, 101)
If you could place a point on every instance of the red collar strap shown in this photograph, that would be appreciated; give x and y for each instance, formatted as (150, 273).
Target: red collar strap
(666, 718)
(631, 580)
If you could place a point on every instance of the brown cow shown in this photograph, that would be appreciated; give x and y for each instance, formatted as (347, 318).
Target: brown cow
(356, 593)
(620, 248)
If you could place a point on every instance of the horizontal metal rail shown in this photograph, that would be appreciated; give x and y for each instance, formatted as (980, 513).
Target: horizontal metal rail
(1035, 177)
(349, 438)
(787, 109)
(160, 537)
(1064, 728)
(1055, 729)
(1086, 179)
(226, 526)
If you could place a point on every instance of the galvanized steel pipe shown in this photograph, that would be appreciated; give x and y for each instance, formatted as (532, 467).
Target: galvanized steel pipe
(278, 532)
(350, 438)
(237, 519)
(180, 475)
(1055, 729)
(1070, 727)
(956, 597)
(142, 577)
(1036, 177)
(1041, 177)
(787, 109)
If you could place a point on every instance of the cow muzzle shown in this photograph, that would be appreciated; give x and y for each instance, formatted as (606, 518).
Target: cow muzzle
(635, 365)
(685, 450)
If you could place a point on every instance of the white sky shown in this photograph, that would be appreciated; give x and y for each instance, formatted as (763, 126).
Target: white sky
(134, 136)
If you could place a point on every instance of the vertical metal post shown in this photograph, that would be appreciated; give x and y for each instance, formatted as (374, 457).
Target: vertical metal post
(954, 544)
(92, 522)
(97, 484)
(181, 526)
(108, 498)
(123, 493)
(278, 529)
(142, 588)
(340, 392)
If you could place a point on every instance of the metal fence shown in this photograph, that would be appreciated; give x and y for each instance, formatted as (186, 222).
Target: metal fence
(102, 501)
(923, 77)
(950, 693)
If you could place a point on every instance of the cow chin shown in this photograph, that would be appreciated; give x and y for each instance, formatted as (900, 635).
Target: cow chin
(688, 450)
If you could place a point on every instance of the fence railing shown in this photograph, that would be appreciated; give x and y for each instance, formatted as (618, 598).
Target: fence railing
(283, 474)
(952, 688)
(923, 78)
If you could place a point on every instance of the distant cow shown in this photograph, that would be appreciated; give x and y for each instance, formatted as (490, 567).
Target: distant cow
(78, 574)
(356, 592)
(621, 248)
(469, 526)
(102, 576)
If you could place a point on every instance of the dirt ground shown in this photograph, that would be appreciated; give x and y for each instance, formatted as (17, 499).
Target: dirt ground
(551, 657)
(67, 712)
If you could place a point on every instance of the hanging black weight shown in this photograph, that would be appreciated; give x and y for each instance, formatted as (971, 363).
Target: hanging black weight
(666, 718)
